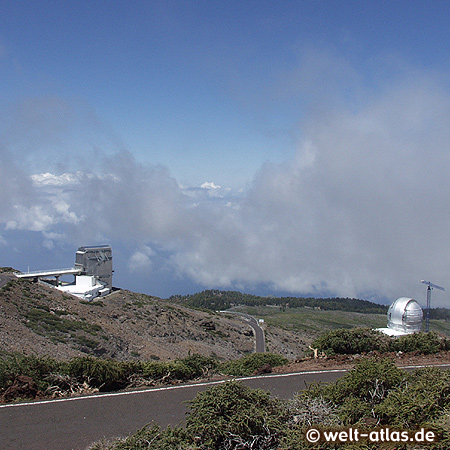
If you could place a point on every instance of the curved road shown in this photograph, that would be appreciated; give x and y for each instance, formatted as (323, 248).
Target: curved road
(260, 343)
(74, 423)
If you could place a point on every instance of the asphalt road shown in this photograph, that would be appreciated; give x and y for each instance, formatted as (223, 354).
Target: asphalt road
(73, 424)
(260, 344)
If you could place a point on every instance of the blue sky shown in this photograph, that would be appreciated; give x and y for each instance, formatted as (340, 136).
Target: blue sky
(319, 127)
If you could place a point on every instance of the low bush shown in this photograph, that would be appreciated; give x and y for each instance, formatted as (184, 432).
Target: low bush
(150, 437)
(193, 366)
(352, 341)
(36, 367)
(101, 373)
(423, 398)
(247, 365)
(361, 389)
(199, 365)
(366, 340)
(97, 372)
(231, 415)
(424, 343)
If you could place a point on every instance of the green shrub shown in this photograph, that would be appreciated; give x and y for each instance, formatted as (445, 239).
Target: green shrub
(46, 323)
(422, 399)
(247, 365)
(425, 343)
(84, 341)
(232, 413)
(358, 392)
(151, 437)
(199, 365)
(365, 340)
(352, 341)
(165, 370)
(36, 367)
(98, 372)
(191, 367)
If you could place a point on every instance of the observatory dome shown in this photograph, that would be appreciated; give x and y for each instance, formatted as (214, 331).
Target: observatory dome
(405, 315)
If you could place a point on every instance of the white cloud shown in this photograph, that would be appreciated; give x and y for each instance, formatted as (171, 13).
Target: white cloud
(33, 218)
(50, 179)
(209, 185)
(362, 208)
(140, 260)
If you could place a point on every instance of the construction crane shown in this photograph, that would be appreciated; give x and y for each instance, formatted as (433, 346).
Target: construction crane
(430, 287)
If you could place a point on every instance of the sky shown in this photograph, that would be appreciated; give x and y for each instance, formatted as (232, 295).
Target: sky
(272, 147)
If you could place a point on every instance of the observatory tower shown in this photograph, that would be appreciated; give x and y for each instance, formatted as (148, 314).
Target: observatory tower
(404, 317)
(96, 261)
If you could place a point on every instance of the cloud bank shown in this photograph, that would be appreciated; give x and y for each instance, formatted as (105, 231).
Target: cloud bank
(361, 210)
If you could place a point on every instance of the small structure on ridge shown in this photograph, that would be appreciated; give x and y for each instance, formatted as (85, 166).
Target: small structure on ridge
(92, 270)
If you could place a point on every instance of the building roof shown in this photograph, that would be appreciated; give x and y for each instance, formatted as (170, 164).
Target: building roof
(405, 315)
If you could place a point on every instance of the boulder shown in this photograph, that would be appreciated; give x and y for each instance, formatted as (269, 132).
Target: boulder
(266, 368)
(23, 387)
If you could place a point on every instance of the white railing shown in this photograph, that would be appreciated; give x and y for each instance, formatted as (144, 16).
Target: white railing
(49, 273)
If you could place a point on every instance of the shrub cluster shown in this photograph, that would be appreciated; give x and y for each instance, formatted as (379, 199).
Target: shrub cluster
(99, 373)
(231, 416)
(62, 377)
(247, 365)
(365, 340)
(33, 366)
(378, 393)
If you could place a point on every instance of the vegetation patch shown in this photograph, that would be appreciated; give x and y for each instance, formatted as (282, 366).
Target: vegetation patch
(247, 365)
(46, 322)
(99, 373)
(219, 300)
(92, 303)
(365, 340)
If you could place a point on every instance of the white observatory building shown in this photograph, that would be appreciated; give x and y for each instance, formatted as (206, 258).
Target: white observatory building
(404, 317)
(93, 272)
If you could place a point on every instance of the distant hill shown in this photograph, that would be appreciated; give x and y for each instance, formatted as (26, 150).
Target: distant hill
(219, 300)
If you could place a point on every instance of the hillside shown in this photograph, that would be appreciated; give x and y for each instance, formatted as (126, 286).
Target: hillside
(35, 318)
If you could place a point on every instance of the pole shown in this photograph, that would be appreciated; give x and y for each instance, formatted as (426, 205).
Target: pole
(427, 322)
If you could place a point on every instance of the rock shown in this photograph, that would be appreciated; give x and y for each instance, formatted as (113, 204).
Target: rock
(23, 387)
(266, 368)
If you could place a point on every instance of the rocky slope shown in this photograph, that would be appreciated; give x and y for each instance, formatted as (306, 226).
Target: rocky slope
(36, 318)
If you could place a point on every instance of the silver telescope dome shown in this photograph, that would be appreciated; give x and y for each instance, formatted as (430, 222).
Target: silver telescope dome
(405, 315)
